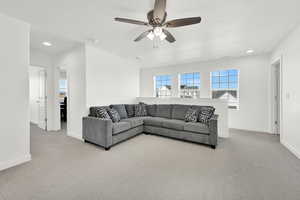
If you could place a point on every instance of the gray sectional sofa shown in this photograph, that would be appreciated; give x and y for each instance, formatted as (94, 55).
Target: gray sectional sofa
(162, 120)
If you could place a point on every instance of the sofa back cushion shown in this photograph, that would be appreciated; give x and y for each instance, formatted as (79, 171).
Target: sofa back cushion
(130, 110)
(179, 111)
(151, 110)
(164, 111)
(120, 108)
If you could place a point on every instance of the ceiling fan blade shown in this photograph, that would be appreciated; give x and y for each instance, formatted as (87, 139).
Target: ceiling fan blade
(131, 21)
(143, 35)
(170, 38)
(182, 22)
(159, 9)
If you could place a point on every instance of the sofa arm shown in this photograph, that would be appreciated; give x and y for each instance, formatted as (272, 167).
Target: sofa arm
(213, 129)
(97, 131)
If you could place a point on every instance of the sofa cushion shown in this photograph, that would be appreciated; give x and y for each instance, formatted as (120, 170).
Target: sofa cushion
(205, 114)
(164, 111)
(114, 115)
(173, 124)
(197, 128)
(179, 111)
(154, 121)
(121, 110)
(120, 127)
(130, 109)
(151, 110)
(135, 121)
(140, 110)
(191, 115)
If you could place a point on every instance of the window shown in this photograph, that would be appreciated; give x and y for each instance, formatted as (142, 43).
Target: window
(190, 85)
(225, 85)
(63, 88)
(163, 86)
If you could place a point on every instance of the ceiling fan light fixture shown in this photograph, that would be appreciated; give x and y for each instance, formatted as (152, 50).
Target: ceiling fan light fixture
(162, 36)
(157, 31)
(151, 35)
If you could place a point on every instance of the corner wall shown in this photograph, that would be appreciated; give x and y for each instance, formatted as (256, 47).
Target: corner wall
(289, 51)
(110, 79)
(74, 63)
(254, 112)
(14, 89)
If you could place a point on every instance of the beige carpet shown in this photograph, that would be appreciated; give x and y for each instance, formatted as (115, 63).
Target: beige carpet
(248, 166)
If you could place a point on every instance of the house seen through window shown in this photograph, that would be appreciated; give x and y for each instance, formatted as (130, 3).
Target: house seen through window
(190, 85)
(225, 85)
(163, 86)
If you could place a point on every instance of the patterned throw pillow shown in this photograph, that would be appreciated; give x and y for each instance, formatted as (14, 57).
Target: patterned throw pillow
(205, 114)
(140, 110)
(191, 115)
(101, 112)
(114, 115)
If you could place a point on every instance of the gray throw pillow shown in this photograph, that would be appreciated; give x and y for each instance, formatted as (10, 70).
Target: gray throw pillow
(140, 110)
(205, 114)
(121, 110)
(114, 115)
(191, 115)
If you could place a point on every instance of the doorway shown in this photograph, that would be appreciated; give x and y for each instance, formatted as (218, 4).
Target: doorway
(276, 83)
(38, 97)
(63, 98)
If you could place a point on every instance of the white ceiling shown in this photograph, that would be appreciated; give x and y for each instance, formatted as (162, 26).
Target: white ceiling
(228, 27)
(59, 44)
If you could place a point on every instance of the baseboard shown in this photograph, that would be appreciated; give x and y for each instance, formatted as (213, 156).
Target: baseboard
(75, 135)
(254, 131)
(14, 162)
(291, 149)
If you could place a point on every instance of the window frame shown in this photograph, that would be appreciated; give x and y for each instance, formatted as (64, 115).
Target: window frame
(228, 89)
(155, 85)
(193, 80)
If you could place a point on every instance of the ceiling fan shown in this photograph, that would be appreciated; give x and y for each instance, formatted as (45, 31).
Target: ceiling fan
(157, 21)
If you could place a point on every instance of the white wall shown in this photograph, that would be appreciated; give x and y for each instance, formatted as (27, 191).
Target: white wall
(289, 50)
(254, 112)
(41, 59)
(14, 89)
(110, 79)
(74, 63)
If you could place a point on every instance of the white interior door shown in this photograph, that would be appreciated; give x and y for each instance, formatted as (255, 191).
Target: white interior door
(34, 94)
(42, 101)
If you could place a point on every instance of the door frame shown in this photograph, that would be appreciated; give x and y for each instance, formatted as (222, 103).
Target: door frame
(276, 63)
(46, 97)
(41, 68)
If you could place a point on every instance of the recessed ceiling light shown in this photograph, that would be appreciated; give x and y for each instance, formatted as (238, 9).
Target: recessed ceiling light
(47, 44)
(250, 51)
